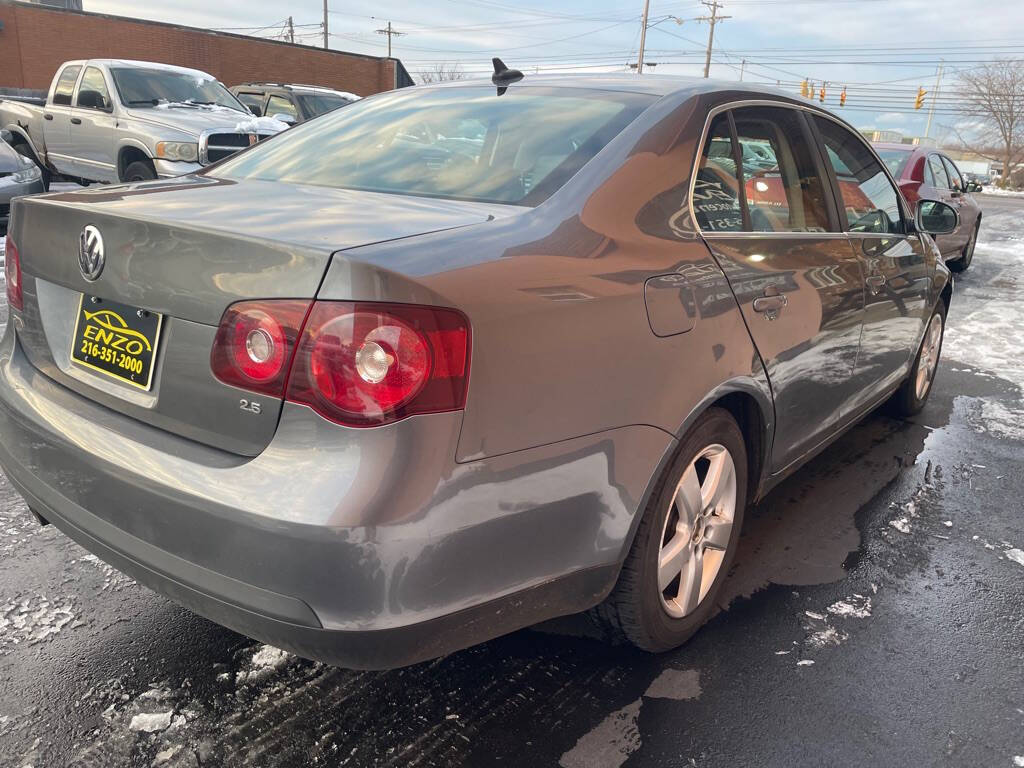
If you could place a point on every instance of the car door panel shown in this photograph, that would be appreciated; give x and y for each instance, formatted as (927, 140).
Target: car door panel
(57, 121)
(894, 261)
(798, 286)
(92, 129)
(808, 340)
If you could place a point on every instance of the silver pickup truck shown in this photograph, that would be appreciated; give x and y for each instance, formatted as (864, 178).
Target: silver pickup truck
(109, 120)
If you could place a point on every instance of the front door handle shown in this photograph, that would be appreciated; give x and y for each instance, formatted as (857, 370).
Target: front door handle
(76, 121)
(771, 303)
(47, 116)
(875, 282)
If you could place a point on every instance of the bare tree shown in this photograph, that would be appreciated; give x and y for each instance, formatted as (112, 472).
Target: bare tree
(993, 95)
(442, 73)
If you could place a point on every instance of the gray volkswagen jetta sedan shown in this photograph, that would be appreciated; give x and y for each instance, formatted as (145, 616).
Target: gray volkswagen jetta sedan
(457, 359)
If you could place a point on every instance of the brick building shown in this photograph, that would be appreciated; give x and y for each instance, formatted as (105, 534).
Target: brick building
(35, 40)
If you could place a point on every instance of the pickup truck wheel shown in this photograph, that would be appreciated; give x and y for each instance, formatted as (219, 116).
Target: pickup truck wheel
(26, 151)
(686, 540)
(140, 170)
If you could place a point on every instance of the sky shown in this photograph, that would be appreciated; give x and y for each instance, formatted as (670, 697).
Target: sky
(882, 51)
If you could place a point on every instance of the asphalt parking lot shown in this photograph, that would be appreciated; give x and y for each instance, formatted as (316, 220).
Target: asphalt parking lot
(875, 617)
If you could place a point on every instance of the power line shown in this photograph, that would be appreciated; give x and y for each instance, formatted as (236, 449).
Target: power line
(390, 33)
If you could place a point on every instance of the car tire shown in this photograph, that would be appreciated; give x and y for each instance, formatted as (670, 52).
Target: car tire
(140, 170)
(649, 613)
(967, 255)
(26, 151)
(912, 395)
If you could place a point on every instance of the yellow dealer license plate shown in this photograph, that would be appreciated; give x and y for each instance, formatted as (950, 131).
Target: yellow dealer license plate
(116, 340)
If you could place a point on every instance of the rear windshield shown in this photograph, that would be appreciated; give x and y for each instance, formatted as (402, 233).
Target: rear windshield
(895, 160)
(464, 143)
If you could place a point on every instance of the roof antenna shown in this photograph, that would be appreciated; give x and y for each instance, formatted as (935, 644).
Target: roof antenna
(503, 76)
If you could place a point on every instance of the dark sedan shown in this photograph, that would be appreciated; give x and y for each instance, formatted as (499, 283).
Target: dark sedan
(460, 358)
(18, 176)
(925, 172)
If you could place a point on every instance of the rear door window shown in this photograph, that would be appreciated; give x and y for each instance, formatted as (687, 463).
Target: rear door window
(783, 189)
(716, 201)
(870, 201)
(66, 85)
(938, 172)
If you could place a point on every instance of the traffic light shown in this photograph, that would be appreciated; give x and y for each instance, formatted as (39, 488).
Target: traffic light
(805, 89)
(920, 98)
(821, 94)
(842, 97)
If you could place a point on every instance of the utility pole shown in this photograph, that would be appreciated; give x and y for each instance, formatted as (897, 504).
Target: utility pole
(643, 38)
(743, 65)
(713, 19)
(291, 30)
(390, 33)
(935, 97)
(326, 34)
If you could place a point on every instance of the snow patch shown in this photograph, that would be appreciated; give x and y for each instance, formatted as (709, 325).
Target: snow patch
(901, 524)
(33, 620)
(151, 723)
(1019, 761)
(827, 636)
(260, 124)
(1016, 555)
(856, 607)
(805, 662)
(264, 663)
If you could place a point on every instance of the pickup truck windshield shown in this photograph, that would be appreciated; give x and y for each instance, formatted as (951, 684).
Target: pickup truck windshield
(140, 87)
(463, 143)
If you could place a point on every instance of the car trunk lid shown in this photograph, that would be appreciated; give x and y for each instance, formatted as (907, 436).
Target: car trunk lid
(186, 250)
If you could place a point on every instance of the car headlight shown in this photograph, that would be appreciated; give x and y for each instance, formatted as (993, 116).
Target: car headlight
(178, 150)
(29, 172)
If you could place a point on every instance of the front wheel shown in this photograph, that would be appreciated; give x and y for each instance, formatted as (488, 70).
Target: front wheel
(685, 542)
(913, 393)
(140, 170)
(967, 255)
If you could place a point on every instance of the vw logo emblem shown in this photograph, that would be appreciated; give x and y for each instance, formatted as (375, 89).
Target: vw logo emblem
(91, 256)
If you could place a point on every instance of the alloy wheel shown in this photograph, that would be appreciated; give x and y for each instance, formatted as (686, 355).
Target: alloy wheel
(929, 357)
(697, 531)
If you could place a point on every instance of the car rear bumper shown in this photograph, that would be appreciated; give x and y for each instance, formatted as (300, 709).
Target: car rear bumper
(363, 548)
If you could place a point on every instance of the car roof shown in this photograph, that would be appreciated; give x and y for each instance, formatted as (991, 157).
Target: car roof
(655, 85)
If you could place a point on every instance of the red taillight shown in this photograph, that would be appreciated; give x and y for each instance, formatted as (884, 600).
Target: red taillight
(364, 364)
(12, 275)
(255, 344)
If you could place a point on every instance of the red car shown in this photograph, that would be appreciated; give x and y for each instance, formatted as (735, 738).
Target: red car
(926, 172)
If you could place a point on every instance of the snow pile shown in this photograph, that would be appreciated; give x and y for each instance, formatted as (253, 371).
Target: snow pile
(997, 192)
(1016, 555)
(264, 664)
(260, 125)
(856, 607)
(151, 723)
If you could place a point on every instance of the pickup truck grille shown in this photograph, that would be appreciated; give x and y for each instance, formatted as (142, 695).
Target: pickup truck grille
(217, 146)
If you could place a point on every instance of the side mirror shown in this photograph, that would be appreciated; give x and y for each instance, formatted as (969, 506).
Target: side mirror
(6, 136)
(284, 118)
(936, 218)
(256, 110)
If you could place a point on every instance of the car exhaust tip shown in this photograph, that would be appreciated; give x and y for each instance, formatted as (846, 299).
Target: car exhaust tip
(43, 522)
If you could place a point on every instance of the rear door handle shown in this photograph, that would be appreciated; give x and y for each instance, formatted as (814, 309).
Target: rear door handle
(47, 116)
(875, 282)
(76, 121)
